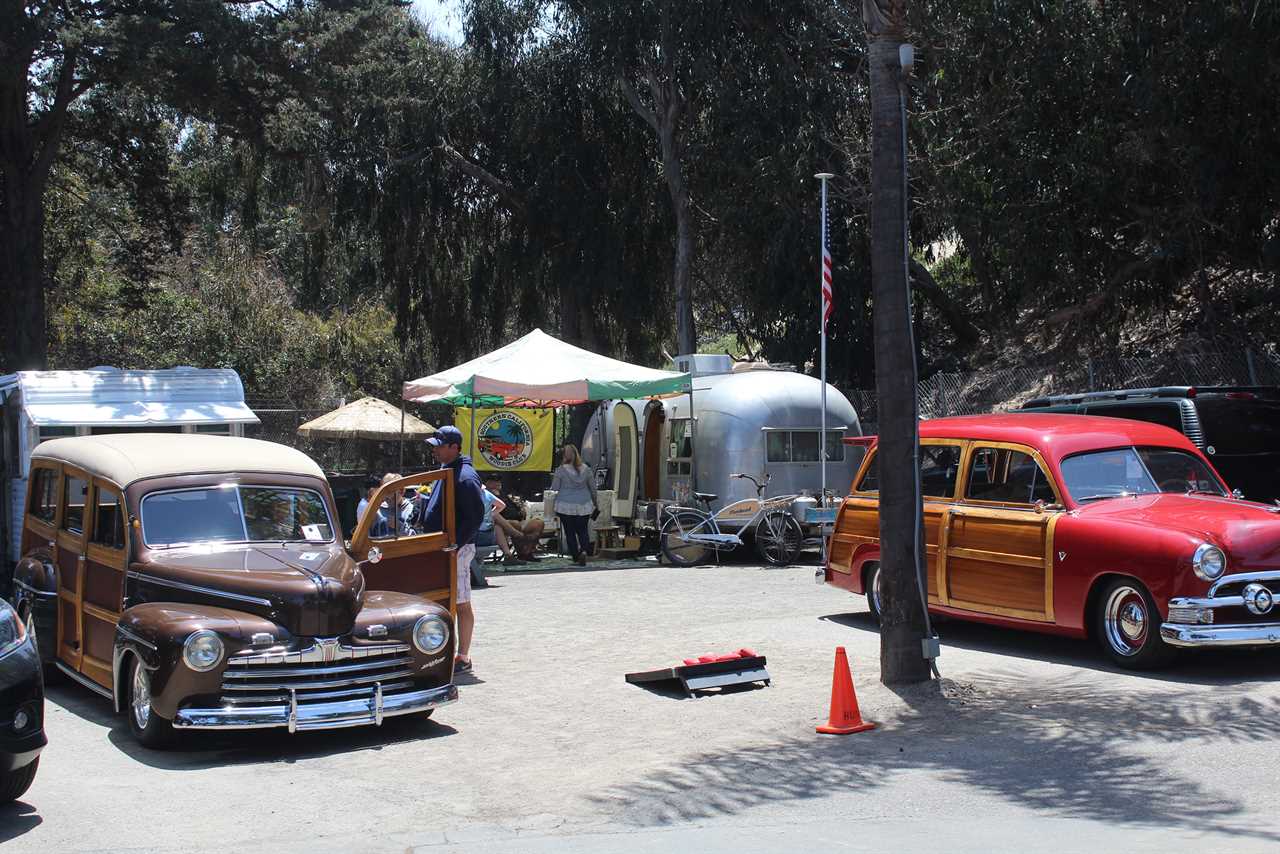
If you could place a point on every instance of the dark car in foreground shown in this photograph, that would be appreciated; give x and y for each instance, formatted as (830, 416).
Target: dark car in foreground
(1238, 427)
(21, 706)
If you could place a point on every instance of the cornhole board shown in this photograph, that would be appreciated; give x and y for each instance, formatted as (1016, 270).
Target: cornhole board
(699, 674)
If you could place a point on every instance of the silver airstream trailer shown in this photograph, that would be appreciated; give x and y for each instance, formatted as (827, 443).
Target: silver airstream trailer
(743, 418)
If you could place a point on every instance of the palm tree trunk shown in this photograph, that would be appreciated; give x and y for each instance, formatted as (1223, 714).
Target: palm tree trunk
(902, 624)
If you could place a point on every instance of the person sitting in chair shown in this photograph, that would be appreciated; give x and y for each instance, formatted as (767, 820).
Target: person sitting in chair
(491, 532)
(517, 536)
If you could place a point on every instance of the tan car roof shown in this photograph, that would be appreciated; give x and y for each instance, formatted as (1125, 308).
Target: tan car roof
(128, 457)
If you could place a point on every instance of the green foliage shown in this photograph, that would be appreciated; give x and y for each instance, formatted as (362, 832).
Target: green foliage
(224, 307)
(329, 199)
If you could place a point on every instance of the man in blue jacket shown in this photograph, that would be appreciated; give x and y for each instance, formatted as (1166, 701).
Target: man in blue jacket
(468, 504)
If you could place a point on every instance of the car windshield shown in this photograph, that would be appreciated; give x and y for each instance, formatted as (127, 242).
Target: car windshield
(231, 513)
(1137, 471)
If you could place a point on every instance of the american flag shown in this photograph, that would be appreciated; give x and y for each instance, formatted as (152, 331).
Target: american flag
(828, 296)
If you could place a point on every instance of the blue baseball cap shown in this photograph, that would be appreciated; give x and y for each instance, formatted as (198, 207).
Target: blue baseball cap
(446, 435)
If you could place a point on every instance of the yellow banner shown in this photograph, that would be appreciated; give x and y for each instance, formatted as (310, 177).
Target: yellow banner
(515, 439)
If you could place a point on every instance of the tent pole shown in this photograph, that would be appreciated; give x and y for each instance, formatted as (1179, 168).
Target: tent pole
(475, 454)
(693, 441)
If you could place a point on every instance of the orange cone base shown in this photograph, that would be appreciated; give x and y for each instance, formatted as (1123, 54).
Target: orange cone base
(827, 729)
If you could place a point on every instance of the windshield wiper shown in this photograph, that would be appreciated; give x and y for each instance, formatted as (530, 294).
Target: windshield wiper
(1107, 495)
(1203, 492)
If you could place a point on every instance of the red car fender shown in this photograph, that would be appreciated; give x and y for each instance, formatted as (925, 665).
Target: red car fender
(1088, 551)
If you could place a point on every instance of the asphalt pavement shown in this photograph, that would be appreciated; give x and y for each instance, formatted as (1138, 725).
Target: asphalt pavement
(1028, 743)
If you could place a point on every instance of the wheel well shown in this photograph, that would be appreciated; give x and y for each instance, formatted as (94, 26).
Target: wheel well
(1095, 593)
(867, 567)
(120, 680)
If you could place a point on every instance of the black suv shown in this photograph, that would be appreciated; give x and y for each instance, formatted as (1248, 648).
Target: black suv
(1237, 426)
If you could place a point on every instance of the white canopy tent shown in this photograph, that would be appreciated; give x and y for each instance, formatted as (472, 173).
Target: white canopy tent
(540, 370)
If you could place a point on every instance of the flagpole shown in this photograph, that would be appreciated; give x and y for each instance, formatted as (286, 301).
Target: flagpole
(822, 358)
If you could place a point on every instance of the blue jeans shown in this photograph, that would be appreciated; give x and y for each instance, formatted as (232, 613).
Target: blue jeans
(575, 533)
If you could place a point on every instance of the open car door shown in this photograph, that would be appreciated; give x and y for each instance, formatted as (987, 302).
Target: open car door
(396, 557)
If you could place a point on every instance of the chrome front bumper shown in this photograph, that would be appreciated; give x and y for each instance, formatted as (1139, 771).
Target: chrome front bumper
(345, 713)
(1176, 634)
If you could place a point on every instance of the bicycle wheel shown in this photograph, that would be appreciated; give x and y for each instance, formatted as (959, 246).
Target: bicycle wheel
(779, 538)
(673, 537)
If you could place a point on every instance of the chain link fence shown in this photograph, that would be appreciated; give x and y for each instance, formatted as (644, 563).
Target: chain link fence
(1005, 389)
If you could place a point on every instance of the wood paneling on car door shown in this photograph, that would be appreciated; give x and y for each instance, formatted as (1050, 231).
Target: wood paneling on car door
(70, 559)
(998, 542)
(106, 560)
(423, 564)
(996, 562)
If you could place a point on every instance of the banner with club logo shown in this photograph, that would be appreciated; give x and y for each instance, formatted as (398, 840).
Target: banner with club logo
(515, 439)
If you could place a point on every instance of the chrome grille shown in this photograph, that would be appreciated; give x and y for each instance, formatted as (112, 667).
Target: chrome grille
(326, 670)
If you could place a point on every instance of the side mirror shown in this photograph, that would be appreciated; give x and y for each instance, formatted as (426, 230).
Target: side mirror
(1237, 494)
(375, 555)
(1042, 507)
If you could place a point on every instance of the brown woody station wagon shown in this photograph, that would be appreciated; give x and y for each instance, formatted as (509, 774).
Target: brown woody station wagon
(201, 582)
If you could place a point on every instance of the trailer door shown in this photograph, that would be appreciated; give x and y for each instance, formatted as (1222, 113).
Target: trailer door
(625, 450)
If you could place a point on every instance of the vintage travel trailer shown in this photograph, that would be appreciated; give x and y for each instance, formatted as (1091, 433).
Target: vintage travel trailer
(744, 417)
(39, 405)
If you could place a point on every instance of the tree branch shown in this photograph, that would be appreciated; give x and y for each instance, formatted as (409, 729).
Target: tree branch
(966, 333)
(509, 195)
(49, 128)
(629, 92)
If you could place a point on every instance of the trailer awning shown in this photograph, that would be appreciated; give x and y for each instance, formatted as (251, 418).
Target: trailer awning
(110, 396)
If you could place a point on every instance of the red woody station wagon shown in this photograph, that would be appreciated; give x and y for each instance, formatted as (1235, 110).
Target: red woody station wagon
(1081, 526)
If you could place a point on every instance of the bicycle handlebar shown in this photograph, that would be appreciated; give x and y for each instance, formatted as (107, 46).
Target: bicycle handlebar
(760, 487)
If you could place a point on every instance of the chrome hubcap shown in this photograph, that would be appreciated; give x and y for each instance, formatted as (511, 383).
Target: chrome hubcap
(1125, 620)
(141, 696)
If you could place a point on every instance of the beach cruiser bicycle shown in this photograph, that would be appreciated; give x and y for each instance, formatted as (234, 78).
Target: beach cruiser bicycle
(688, 535)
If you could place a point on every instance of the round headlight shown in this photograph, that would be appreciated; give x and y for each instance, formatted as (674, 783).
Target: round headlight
(202, 651)
(1209, 562)
(430, 634)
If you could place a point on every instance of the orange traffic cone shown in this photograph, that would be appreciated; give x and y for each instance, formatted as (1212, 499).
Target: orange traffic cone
(845, 717)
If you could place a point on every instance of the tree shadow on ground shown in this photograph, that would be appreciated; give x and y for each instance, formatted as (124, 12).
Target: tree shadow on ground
(197, 750)
(1063, 749)
(1191, 667)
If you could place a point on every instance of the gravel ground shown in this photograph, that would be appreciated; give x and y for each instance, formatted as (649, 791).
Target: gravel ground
(1027, 740)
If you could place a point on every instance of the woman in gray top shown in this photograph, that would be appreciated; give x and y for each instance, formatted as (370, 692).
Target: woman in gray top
(575, 487)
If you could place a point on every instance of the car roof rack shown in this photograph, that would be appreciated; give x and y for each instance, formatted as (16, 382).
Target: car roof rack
(1150, 393)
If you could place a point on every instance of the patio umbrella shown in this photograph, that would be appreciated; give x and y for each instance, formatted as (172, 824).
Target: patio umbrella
(366, 418)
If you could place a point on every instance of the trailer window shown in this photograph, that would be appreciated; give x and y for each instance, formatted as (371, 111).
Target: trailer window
(54, 433)
(680, 454)
(801, 446)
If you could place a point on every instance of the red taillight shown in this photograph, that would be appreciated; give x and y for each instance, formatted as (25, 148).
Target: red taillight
(1191, 392)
